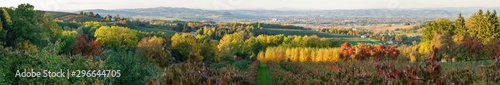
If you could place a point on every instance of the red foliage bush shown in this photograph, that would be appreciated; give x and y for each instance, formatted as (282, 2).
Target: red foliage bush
(379, 51)
(347, 50)
(86, 47)
(392, 52)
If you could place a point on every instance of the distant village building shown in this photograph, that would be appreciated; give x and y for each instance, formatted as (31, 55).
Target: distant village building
(413, 35)
(193, 33)
(275, 20)
(363, 36)
(390, 42)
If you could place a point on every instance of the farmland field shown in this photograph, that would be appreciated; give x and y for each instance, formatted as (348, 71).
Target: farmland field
(384, 27)
(290, 32)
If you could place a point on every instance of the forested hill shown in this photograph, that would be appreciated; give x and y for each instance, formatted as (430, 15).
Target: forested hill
(218, 15)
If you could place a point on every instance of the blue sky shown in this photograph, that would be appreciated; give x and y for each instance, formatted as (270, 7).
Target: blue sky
(69, 5)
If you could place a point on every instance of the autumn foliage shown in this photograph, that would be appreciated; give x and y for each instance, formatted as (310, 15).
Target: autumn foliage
(363, 51)
(346, 50)
(86, 47)
(153, 49)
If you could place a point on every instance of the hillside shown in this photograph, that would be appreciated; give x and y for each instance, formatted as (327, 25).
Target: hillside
(65, 16)
(68, 17)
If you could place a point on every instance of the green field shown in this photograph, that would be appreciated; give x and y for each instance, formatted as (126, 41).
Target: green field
(355, 41)
(168, 32)
(287, 32)
(72, 16)
(263, 76)
(290, 32)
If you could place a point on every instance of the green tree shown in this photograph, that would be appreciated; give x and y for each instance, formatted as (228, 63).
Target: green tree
(483, 25)
(154, 50)
(3, 32)
(68, 39)
(459, 24)
(185, 46)
(445, 44)
(50, 29)
(6, 18)
(252, 47)
(24, 27)
(97, 16)
(206, 49)
(137, 21)
(435, 27)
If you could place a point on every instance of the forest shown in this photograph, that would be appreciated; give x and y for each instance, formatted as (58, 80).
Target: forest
(459, 51)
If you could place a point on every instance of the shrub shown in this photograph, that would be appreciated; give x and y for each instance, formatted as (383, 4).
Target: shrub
(242, 64)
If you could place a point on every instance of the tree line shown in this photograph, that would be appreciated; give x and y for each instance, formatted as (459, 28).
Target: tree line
(329, 54)
(474, 38)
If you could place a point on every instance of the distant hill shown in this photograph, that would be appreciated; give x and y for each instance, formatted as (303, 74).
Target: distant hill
(228, 15)
(172, 13)
(65, 16)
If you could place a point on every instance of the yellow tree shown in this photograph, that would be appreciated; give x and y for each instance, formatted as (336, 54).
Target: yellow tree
(262, 57)
(305, 55)
(232, 44)
(295, 54)
(288, 54)
(117, 37)
(270, 54)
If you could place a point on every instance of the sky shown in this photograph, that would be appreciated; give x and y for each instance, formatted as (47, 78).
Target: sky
(74, 5)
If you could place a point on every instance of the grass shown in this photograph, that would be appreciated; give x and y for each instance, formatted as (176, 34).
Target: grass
(365, 40)
(287, 32)
(168, 32)
(263, 76)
